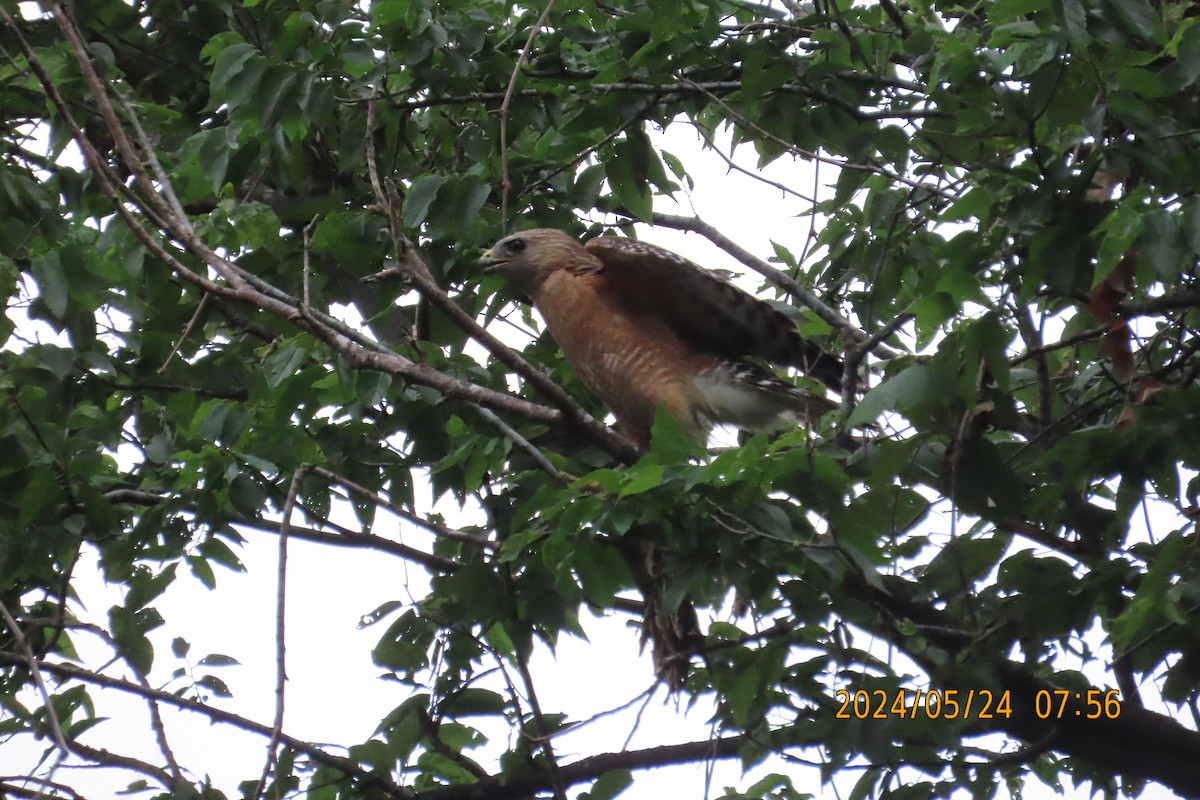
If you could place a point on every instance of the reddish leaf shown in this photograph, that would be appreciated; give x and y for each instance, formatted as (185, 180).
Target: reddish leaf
(1113, 289)
(1115, 347)
(1146, 389)
(1127, 417)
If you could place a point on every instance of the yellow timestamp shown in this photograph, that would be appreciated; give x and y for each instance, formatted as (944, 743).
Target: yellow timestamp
(927, 703)
(1089, 704)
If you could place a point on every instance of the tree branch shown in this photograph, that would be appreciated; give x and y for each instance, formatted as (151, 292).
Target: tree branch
(775, 276)
(351, 539)
(34, 666)
(366, 541)
(664, 90)
(322, 757)
(1137, 743)
(289, 507)
(522, 57)
(587, 769)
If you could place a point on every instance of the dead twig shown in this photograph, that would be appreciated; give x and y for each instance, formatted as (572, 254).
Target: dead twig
(505, 180)
(289, 506)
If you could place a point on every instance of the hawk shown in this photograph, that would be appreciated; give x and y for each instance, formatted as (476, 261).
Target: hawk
(644, 327)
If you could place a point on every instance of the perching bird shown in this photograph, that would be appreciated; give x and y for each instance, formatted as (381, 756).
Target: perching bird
(645, 327)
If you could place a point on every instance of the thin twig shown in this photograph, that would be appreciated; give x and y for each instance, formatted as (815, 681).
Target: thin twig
(306, 298)
(811, 238)
(856, 353)
(369, 142)
(436, 528)
(637, 718)
(121, 143)
(583, 155)
(1083, 336)
(149, 153)
(8, 789)
(520, 441)
(543, 732)
(1167, 302)
(156, 720)
(433, 736)
(108, 758)
(289, 506)
(896, 17)
(505, 181)
(160, 729)
(388, 201)
(1032, 336)
(874, 169)
(187, 331)
(585, 769)
(673, 91)
(775, 276)
(32, 663)
(358, 539)
(711, 144)
(642, 696)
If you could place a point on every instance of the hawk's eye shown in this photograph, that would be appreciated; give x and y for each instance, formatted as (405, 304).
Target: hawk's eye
(515, 246)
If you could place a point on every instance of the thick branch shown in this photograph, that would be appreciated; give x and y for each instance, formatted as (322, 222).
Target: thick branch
(366, 541)
(1137, 743)
(1168, 302)
(587, 769)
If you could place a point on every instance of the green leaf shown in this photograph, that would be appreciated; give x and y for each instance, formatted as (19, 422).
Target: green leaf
(52, 282)
(1073, 18)
(474, 702)
(983, 479)
(214, 685)
(470, 193)
(626, 172)
(609, 785)
(602, 572)
(744, 694)
(641, 478)
(230, 63)
(218, 660)
(420, 197)
(1137, 16)
(909, 388)
(1161, 244)
(1185, 46)
(670, 442)
(388, 12)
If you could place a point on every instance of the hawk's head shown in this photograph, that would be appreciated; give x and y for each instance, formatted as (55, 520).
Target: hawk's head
(528, 258)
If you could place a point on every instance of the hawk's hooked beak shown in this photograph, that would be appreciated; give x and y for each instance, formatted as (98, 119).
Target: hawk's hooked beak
(489, 261)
